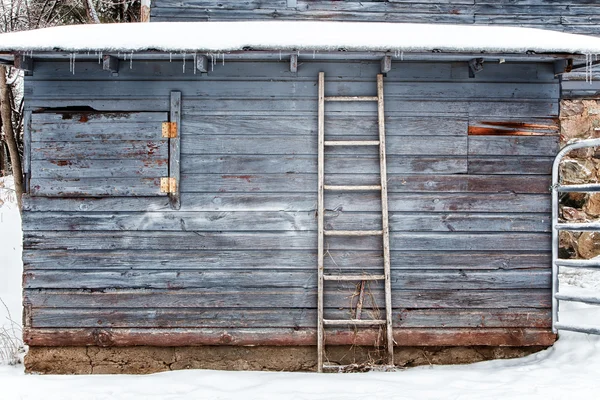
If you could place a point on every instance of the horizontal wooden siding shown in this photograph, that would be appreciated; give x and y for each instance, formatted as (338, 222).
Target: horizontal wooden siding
(469, 213)
(580, 16)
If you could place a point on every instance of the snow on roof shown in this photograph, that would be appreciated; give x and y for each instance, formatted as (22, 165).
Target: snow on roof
(297, 35)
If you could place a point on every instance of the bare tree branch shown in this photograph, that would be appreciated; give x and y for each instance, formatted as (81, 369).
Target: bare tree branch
(91, 9)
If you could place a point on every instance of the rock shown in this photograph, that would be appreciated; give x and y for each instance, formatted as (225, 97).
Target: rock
(574, 200)
(588, 244)
(576, 171)
(573, 214)
(567, 245)
(592, 205)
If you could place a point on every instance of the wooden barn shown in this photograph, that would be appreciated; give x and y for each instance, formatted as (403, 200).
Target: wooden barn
(233, 194)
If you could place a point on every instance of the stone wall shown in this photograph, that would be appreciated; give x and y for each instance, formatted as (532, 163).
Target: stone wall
(580, 119)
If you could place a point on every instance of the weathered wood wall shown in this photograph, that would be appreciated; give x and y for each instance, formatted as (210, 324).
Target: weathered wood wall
(468, 160)
(577, 16)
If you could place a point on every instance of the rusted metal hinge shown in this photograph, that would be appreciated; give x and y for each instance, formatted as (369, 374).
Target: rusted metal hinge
(168, 185)
(169, 129)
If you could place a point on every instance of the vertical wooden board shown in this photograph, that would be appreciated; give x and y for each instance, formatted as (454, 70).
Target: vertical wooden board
(175, 149)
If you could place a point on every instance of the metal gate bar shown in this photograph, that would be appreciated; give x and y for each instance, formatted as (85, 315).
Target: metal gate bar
(558, 188)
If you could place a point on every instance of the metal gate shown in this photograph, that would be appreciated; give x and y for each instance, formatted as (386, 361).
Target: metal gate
(558, 226)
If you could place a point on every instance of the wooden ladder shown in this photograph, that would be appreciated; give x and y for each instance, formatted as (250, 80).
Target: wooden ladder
(384, 232)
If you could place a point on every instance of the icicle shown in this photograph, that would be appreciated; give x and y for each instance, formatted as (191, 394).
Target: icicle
(223, 58)
(279, 55)
(401, 56)
(170, 57)
(195, 63)
(184, 62)
(314, 54)
(131, 60)
(99, 58)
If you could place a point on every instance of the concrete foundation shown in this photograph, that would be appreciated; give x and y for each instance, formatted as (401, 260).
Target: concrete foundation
(147, 359)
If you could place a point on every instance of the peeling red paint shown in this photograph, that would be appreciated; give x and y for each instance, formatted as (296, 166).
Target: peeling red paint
(244, 177)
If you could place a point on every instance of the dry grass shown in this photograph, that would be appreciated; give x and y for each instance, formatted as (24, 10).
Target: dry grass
(11, 344)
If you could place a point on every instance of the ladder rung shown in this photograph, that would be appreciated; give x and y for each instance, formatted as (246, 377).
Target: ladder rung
(579, 299)
(592, 264)
(354, 321)
(354, 277)
(351, 143)
(352, 233)
(593, 330)
(352, 188)
(579, 227)
(351, 98)
(592, 187)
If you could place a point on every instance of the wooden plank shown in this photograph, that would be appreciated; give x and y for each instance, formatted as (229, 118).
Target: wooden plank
(237, 279)
(512, 127)
(71, 132)
(90, 168)
(290, 182)
(279, 318)
(95, 187)
(284, 144)
(249, 164)
(513, 146)
(510, 165)
(72, 119)
(357, 202)
(177, 14)
(526, 72)
(284, 221)
(350, 260)
(133, 149)
(344, 87)
(287, 336)
(175, 150)
(334, 125)
(284, 298)
(89, 240)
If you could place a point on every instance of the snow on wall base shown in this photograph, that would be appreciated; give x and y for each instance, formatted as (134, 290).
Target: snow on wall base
(148, 359)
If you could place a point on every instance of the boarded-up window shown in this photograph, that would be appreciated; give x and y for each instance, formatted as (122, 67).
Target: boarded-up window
(98, 154)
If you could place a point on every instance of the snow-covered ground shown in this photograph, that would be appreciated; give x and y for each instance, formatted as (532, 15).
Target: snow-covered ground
(568, 370)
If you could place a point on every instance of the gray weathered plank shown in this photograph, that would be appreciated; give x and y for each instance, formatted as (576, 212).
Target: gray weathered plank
(284, 221)
(175, 150)
(132, 149)
(175, 280)
(291, 317)
(513, 146)
(510, 165)
(283, 144)
(88, 240)
(399, 202)
(160, 259)
(95, 187)
(292, 298)
(501, 202)
(247, 164)
(90, 168)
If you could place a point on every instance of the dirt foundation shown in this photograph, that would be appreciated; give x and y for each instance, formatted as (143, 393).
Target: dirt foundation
(146, 359)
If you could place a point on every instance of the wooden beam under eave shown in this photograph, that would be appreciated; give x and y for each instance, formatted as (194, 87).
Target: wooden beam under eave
(110, 63)
(24, 63)
(386, 64)
(285, 337)
(294, 63)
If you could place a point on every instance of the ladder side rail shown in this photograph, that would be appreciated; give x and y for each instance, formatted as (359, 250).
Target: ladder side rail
(384, 220)
(320, 212)
(555, 231)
